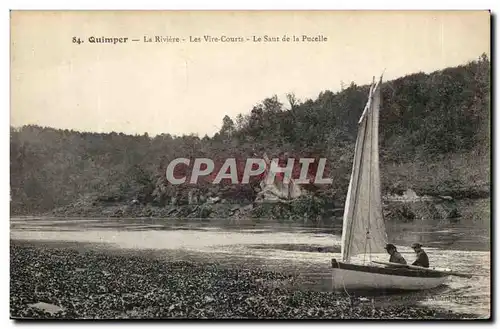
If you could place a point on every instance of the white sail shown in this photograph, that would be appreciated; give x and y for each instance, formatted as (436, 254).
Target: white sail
(364, 229)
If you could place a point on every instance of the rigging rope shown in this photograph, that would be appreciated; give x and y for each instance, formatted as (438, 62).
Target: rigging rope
(370, 192)
(343, 283)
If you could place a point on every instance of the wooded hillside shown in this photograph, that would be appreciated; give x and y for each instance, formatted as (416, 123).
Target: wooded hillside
(434, 137)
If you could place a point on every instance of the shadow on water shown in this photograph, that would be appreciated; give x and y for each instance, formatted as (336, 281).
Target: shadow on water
(297, 247)
(387, 293)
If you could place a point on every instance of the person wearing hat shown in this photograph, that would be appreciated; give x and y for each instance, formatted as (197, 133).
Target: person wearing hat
(422, 259)
(395, 255)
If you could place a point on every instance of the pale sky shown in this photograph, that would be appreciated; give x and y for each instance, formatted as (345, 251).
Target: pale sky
(181, 88)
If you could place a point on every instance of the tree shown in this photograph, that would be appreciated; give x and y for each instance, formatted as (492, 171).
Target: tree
(292, 100)
(227, 126)
(272, 104)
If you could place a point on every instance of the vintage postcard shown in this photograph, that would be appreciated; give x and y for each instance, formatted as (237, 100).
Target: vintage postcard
(250, 165)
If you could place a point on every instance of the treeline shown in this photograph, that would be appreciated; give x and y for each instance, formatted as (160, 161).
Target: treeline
(434, 135)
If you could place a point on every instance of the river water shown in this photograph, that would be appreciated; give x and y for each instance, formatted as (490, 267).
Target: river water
(305, 250)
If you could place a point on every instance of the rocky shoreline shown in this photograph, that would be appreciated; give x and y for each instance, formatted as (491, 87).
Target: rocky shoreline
(306, 210)
(76, 282)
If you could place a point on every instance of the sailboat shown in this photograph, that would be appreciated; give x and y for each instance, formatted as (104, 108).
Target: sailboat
(363, 229)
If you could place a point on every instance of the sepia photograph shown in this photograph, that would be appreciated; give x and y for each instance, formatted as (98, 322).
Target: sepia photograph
(284, 165)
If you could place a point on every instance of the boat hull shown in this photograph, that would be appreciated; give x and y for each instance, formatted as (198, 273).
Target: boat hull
(361, 277)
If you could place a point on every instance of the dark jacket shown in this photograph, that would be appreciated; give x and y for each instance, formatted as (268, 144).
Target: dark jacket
(397, 258)
(422, 259)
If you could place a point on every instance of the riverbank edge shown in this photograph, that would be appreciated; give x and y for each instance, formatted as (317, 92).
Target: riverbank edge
(303, 211)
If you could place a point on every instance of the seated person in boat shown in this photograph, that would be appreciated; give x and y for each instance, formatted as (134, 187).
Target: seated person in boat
(395, 255)
(422, 259)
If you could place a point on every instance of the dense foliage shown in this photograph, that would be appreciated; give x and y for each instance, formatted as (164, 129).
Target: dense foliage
(435, 136)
